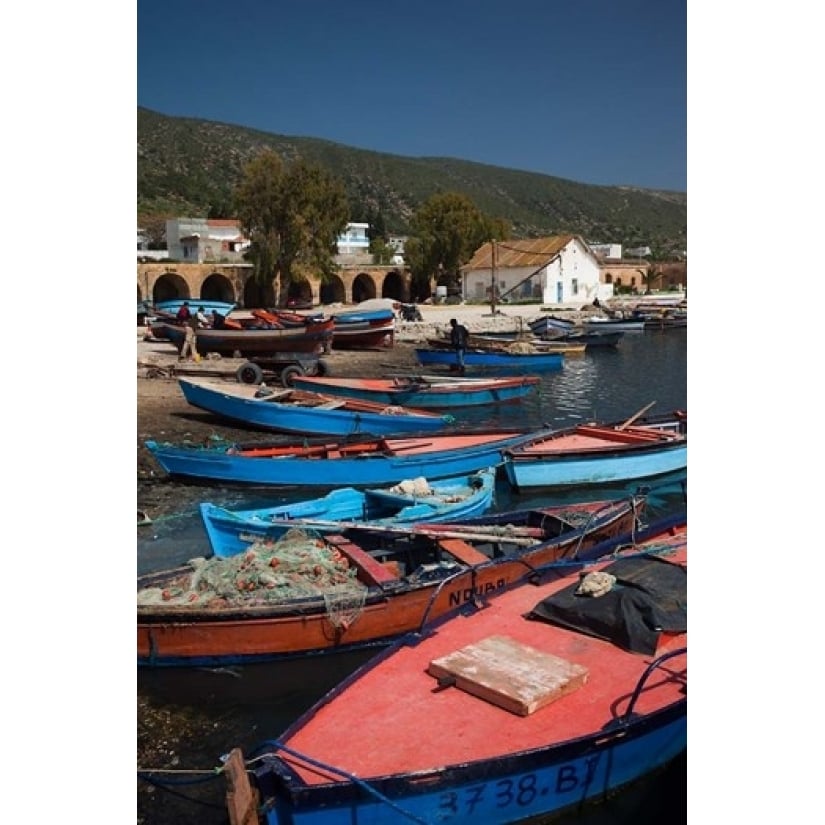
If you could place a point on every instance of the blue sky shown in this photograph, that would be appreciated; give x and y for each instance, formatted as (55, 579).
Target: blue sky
(588, 90)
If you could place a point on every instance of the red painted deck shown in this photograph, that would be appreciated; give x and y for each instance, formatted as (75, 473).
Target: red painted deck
(586, 438)
(393, 719)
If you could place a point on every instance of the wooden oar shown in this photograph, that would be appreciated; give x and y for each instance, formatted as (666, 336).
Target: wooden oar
(417, 530)
(635, 416)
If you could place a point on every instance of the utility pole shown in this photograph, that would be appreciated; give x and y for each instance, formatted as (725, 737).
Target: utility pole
(493, 279)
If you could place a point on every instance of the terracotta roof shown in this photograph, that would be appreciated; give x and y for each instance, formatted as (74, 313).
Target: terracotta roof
(533, 252)
(223, 222)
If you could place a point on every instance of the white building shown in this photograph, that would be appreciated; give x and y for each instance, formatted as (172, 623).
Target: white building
(204, 240)
(354, 240)
(557, 270)
(607, 251)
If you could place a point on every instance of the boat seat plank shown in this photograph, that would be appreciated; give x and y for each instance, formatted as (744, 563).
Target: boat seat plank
(508, 674)
(372, 571)
(617, 435)
(464, 552)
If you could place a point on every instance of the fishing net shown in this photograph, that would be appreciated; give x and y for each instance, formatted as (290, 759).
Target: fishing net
(298, 565)
(344, 604)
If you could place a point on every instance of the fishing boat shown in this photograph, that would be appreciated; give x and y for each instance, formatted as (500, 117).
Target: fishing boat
(563, 330)
(600, 453)
(565, 687)
(511, 342)
(290, 410)
(310, 591)
(411, 501)
(548, 324)
(492, 359)
(364, 329)
(425, 391)
(337, 462)
(597, 323)
(172, 306)
(309, 336)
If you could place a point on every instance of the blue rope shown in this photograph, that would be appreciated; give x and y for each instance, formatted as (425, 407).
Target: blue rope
(351, 777)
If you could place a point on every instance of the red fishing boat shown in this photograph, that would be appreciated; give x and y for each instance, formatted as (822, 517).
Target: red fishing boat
(561, 690)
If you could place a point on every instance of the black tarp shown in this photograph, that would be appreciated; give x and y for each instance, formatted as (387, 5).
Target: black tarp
(649, 596)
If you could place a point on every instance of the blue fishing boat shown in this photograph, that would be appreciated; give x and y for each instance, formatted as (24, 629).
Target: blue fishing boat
(600, 453)
(492, 359)
(425, 391)
(411, 501)
(290, 410)
(517, 706)
(338, 462)
(171, 306)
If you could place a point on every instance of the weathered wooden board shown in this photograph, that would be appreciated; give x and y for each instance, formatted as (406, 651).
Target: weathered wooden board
(511, 675)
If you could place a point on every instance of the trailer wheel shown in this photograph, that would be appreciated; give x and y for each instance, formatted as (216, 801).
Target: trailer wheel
(288, 374)
(249, 373)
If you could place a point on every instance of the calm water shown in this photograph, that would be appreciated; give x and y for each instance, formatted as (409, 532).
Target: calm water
(204, 713)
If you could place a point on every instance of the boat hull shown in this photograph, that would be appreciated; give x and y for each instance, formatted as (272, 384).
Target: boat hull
(521, 362)
(464, 455)
(309, 338)
(364, 330)
(306, 420)
(425, 395)
(185, 636)
(553, 781)
(231, 532)
(578, 471)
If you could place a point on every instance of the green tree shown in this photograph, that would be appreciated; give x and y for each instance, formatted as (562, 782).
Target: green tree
(292, 217)
(381, 251)
(447, 229)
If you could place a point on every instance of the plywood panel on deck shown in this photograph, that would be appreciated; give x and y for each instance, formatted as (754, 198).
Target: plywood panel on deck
(509, 674)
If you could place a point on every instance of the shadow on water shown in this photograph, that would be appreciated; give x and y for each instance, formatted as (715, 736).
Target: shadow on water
(189, 718)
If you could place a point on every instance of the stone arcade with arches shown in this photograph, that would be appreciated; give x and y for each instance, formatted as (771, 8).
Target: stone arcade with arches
(162, 280)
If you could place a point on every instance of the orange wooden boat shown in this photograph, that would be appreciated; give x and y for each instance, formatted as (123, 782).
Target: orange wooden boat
(383, 582)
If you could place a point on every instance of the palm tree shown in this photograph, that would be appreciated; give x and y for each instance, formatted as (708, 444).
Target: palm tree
(649, 277)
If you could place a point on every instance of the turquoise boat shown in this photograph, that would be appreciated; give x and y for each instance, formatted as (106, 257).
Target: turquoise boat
(600, 453)
(338, 462)
(425, 391)
(290, 410)
(413, 501)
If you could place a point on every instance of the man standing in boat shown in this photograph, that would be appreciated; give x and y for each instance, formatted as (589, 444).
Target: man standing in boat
(458, 338)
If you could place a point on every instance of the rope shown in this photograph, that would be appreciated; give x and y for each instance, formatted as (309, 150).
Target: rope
(165, 786)
(351, 777)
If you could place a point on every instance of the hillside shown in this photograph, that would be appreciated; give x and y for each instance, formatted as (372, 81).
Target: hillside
(186, 167)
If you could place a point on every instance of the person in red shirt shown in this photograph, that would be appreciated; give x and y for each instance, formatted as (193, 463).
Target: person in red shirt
(184, 313)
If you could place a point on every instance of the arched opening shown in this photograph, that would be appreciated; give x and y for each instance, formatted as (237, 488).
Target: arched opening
(217, 287)
(394, 286)
(363, 288)
(169, 286)
(256, 296)
(299, 294)
(333, 291)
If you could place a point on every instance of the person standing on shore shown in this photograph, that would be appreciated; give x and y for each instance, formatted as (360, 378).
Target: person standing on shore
(458, 338)
(189, 349)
